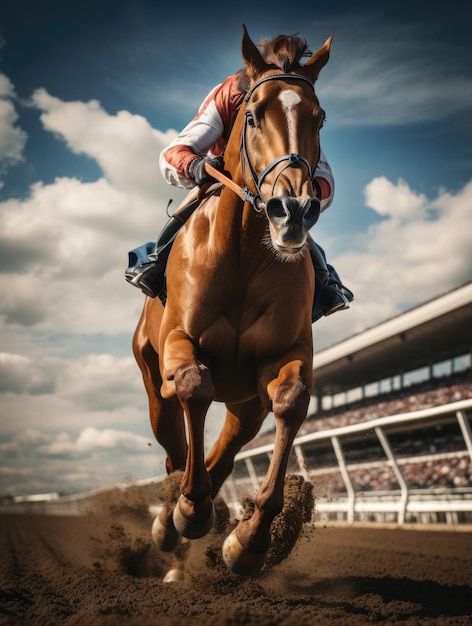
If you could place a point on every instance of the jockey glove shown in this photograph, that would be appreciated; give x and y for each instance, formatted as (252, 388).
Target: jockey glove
(198, 172)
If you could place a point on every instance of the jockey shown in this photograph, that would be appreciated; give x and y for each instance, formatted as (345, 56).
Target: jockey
(182, 164)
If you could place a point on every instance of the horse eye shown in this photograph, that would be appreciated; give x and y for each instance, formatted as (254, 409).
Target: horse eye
(250, 120)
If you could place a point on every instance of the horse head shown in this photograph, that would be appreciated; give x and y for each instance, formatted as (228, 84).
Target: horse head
(279, 145)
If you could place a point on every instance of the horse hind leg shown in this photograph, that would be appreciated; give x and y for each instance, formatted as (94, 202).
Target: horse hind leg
(164, 534)
(176, 572)
(169, 430)
(167, 423)
(243, 422)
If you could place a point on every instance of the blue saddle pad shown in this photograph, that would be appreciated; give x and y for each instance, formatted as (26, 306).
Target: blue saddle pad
(139, 256)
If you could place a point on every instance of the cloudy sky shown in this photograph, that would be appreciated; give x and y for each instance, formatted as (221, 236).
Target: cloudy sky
(91, 92)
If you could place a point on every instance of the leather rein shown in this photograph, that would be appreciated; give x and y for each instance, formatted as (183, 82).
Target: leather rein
(293, 159)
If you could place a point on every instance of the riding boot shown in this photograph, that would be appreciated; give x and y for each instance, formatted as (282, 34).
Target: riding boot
(330, 294)
(147, 264)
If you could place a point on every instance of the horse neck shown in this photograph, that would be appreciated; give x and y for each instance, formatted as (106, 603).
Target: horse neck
(239, 221)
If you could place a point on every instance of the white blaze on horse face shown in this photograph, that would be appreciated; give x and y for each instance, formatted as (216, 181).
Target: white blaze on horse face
(290, 99)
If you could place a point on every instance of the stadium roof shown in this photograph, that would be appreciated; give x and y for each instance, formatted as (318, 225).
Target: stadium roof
(435, 331)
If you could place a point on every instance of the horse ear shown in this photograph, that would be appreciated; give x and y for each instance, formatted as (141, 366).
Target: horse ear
(318, 59)
(251, 54)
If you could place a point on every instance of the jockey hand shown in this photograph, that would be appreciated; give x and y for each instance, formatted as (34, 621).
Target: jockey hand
(198, 171)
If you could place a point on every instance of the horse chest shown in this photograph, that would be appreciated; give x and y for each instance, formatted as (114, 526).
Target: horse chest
(233, 345)
(255, 321)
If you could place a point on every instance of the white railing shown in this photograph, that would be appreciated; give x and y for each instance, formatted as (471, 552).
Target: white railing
(394, 505)
(398, 505)
(77, 504)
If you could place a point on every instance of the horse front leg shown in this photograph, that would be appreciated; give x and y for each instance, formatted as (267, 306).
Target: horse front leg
(191, 381)
(245, 549)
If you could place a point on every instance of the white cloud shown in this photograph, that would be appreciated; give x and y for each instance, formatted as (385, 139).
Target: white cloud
(94, 389)
(420, 250)
(17, 471)
(6, 87)
(22, 444)
(124, 145)
(102, 382)
(19, 374)
(90, 440)
(396, 201)
(423, 247)
(36, 461)
(12, 138)
(67, 247)
(67, 243)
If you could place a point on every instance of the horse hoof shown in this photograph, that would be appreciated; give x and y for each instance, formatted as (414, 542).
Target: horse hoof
(165, 538)
(191, 529)
(239, 560)
(174, 575)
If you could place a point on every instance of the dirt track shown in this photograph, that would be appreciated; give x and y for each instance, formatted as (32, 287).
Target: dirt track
(102, 569)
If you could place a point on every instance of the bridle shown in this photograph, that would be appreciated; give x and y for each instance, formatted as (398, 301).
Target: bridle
(292, 159)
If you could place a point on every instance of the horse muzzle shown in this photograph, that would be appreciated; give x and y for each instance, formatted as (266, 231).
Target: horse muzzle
(290, 219)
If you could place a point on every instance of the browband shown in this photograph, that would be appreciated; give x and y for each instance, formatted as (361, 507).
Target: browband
(276, 77)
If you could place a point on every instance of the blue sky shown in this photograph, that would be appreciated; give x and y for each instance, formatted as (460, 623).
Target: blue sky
(90, 92)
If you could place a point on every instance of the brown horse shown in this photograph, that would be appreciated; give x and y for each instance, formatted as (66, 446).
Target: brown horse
(236, 327)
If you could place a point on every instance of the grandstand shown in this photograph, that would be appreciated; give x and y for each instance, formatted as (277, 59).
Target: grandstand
(420, 340)
(389, 437)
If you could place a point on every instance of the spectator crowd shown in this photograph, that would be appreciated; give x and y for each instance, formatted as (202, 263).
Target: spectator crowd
(434, 458)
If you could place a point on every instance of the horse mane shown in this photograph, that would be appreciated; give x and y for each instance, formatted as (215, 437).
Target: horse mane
(283, 52)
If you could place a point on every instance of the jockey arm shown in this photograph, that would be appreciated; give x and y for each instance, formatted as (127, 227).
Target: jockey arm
(207, 133)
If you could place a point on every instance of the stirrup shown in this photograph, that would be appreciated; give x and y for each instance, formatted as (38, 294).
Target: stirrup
(333, 298)
(336, 298)
(148, 277)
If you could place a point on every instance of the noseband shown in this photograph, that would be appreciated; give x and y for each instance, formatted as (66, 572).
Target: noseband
(293, 159)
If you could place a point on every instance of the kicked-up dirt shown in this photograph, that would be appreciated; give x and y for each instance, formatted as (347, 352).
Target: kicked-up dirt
(102, 569)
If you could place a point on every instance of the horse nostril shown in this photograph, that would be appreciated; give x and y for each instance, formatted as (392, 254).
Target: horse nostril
(276, 209)
(293, 210)
(312, 213)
